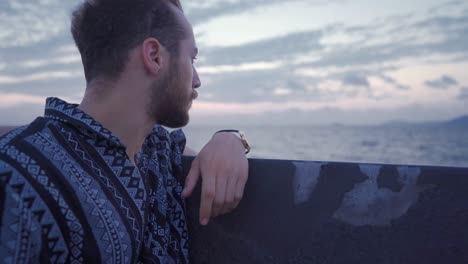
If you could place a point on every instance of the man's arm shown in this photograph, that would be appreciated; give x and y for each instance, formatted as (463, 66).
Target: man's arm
(223, 167)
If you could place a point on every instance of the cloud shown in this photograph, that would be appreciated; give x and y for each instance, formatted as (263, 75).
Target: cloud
(272, 49)
(254, 85)
(286, 84)
(7, 100)
(40, 76)
(303, 113)
(381, 49)
(256, 66)
(38, 63)
(346, 59)
(384, 47)
(202, 11)
(392, 81)
(35, 37)
(463, 95)
(443, 82)
(355, 79)
(291, 82)
(396, 40)
(281, 91)
(28, 22)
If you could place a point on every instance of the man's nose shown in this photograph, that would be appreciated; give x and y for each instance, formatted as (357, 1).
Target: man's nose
(196, 83)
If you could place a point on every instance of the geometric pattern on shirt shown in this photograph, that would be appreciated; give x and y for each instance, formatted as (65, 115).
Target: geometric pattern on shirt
(165, 238)
(139, 195)
(102, 216)
(34, 203)
(80, 151)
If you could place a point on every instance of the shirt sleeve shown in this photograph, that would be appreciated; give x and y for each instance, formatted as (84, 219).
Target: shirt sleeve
(20, 232)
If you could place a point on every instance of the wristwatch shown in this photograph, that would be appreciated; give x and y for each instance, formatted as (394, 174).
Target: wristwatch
(241, 135)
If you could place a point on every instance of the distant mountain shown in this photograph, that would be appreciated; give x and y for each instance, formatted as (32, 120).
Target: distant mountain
(400, 123)
(459, 122)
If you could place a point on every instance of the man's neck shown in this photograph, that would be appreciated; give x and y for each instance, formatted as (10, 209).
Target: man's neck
(123, 118)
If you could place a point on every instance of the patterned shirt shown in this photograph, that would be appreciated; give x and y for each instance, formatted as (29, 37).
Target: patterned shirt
(69, 193)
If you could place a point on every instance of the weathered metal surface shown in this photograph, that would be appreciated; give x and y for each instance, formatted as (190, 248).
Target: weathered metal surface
(318, 212)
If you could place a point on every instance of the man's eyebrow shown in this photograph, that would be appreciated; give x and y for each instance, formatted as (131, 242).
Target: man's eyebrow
(195, 51)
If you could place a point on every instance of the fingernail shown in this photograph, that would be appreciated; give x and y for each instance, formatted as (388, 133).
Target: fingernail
(204, 221)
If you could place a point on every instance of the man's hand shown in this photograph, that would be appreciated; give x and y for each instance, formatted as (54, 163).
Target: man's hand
(224, 169)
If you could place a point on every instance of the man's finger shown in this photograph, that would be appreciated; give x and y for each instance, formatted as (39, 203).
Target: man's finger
(239, 193)
(207, 197)
(192, 178)
(220, 195)
(226, 210)
(231, 187)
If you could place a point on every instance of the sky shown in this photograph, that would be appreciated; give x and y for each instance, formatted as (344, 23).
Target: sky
(269, 61)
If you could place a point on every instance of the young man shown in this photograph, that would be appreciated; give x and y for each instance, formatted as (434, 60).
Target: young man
(100, 182)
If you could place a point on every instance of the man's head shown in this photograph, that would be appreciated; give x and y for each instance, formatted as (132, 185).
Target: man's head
(149, 36)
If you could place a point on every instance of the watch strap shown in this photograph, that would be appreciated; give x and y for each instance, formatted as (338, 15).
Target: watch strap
(241, 135)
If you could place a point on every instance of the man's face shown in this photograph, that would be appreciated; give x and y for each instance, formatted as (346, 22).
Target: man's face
(173, 94)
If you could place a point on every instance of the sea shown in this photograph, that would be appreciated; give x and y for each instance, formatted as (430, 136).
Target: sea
(402, 145)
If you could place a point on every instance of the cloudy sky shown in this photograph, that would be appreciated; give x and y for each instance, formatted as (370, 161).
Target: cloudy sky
(270, 61)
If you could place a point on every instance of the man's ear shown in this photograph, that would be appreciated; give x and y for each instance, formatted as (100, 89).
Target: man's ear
(152, 53)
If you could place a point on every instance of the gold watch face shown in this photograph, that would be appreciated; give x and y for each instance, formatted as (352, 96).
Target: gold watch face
(244, 141)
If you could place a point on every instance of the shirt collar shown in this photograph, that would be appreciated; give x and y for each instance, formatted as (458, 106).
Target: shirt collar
(175, 138)
(69, 113)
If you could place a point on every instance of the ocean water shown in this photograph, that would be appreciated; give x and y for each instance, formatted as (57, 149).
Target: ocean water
(405, 145)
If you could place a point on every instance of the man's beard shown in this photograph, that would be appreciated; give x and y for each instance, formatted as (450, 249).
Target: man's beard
(168, 102)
